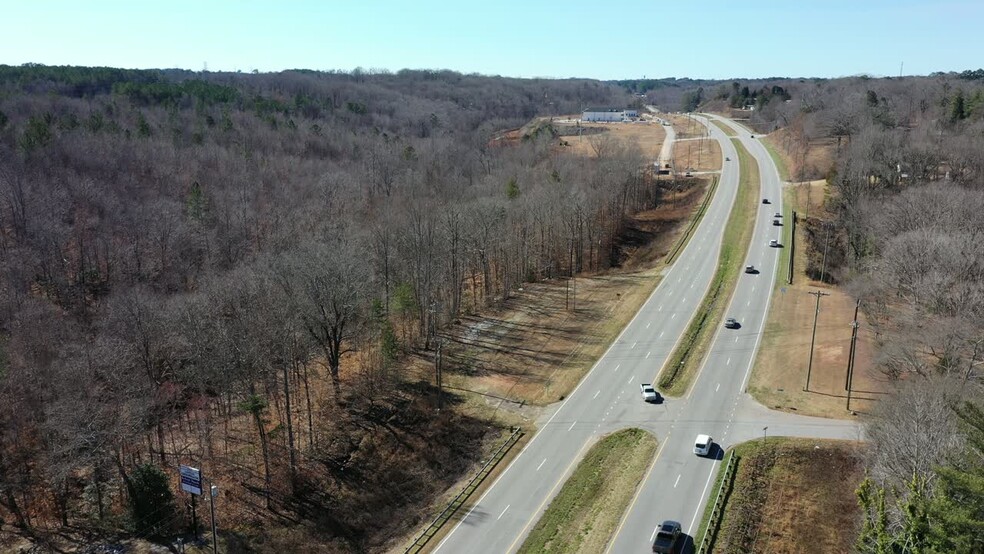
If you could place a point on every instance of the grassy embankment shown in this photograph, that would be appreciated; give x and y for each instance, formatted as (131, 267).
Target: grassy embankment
(788, 495)
(584, 514)
(779, 161)
(682, 365)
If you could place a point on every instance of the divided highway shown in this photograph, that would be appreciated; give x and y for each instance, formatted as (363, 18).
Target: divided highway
(608, 397)
(678, 483)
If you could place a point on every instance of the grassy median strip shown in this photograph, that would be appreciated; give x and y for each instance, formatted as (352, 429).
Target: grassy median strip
(681, 366)
(584, 515)
(727, 130)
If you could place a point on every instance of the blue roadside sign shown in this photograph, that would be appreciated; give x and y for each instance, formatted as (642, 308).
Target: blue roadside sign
(191, 479)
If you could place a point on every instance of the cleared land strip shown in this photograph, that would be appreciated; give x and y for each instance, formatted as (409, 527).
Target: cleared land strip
(681, 366)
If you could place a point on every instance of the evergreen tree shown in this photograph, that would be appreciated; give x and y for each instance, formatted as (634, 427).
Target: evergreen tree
(957, 512)
(512, 189)
(196, 202)
(874, 537)
(152, 509)
(143, 128)
(957, 107)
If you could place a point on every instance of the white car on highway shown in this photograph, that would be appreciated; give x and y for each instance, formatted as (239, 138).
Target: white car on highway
(648, 392)
(703, 444)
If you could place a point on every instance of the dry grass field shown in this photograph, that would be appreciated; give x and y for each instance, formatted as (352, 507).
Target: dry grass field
(791, 496)
(648, 137)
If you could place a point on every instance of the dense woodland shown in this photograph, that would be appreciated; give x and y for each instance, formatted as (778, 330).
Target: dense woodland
(227, 270)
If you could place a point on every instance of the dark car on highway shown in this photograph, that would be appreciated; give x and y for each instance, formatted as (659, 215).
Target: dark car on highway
(667, 539)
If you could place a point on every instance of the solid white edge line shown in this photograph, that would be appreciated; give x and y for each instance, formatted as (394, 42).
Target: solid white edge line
(714, 470)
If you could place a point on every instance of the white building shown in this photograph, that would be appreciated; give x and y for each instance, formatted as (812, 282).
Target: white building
(608, 114)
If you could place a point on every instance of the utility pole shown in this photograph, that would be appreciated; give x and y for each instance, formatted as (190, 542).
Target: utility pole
(826, 236)
(700, 148)
(813, 340)
(850, 357)
(570, 302)
(438, 366)
(213, 492)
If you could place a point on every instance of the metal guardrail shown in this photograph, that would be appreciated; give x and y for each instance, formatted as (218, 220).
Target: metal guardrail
(421, 541)
(717, 509)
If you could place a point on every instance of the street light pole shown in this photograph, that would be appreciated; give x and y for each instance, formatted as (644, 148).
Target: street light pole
(826, 236)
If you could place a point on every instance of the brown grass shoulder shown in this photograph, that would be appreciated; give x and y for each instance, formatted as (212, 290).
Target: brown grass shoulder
(791, 495)
(779, 376)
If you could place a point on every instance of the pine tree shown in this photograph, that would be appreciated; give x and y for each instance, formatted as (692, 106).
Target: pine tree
(957, 513)
(957, 107)
(874, 537)
(152, 503)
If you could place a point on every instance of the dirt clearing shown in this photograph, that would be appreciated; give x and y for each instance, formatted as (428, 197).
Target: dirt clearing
(646, 135)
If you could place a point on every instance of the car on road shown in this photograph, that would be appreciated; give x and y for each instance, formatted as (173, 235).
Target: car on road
(774, 243)
(703, 444)
(731, 323)
(727, 159)
(751, 269)
(753, 136)
(688, 174)
(649, 394)
(667, 539)
(765, 200)
(776, 222)
(777, 214)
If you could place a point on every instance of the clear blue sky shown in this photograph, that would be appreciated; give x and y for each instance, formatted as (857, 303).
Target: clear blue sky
(612, 39)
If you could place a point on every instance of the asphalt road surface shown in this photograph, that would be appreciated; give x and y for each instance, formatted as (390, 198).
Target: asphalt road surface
(679, 482)
(608, 398)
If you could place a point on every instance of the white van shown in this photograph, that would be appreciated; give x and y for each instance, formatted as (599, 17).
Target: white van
(702, 446)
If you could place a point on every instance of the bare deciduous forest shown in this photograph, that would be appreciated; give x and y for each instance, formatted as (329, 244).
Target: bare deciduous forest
(228, 269)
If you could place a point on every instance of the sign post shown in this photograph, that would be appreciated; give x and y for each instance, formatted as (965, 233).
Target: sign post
(191, 482)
